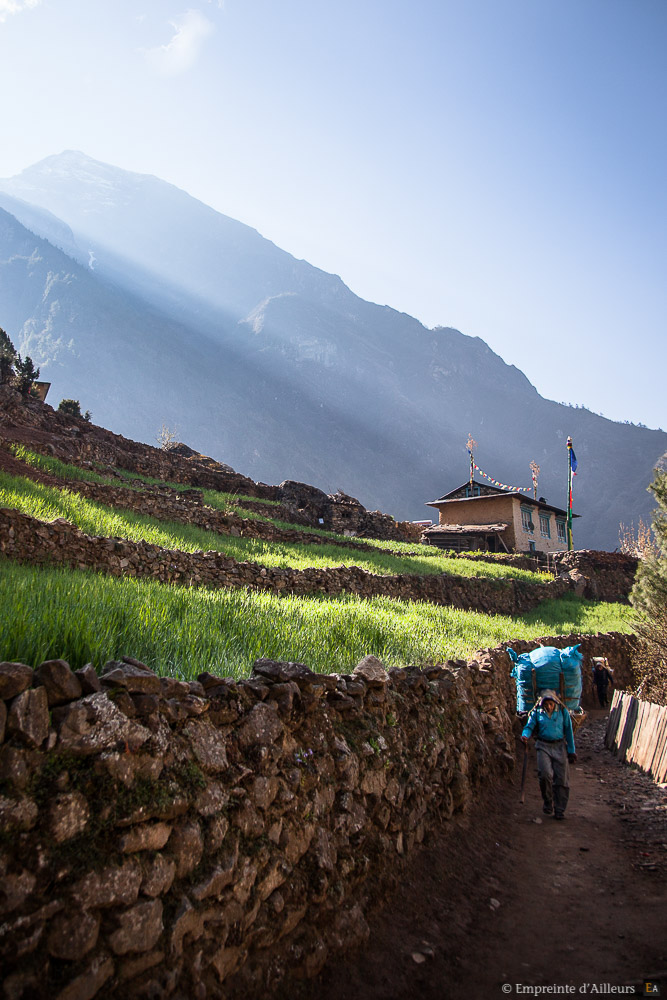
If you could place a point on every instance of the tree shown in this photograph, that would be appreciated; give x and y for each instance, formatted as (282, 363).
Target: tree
(25, 374)
(649, 597)
(7, 358)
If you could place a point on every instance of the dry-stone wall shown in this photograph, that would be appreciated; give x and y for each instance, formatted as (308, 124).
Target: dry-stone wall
(607, 576)
(25, 539)
(161, 838)
(343, 514)
(188, 507)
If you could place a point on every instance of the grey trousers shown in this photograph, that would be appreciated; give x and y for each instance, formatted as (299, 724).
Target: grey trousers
(554, 774)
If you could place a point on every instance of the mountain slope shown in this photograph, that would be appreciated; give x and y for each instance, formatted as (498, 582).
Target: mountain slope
(275, 367)
(135, 367)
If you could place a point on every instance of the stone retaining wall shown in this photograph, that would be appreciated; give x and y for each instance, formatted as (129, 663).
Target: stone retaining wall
(160, 838)
(25, 539)
(188, 507)
(609, 575)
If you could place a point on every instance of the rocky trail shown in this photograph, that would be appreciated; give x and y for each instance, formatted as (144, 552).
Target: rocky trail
(507, 898)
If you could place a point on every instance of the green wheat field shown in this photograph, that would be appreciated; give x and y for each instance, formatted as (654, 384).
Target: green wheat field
(47, 503)
(84, 617)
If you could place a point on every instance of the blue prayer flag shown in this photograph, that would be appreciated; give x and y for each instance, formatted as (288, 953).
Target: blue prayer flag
(574, 460)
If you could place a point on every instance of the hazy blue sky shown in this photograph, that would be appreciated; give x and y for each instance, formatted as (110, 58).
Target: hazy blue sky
(494, 165)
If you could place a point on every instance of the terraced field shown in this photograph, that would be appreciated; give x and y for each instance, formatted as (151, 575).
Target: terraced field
(85, 617)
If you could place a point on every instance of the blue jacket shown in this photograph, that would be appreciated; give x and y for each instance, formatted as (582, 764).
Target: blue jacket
(558, 727)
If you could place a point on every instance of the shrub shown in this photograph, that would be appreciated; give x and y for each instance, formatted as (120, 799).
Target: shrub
(639, 543)
(166, 438)
(72, 408)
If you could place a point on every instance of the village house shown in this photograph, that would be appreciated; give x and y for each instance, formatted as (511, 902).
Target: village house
(41, 390)
(479, 516)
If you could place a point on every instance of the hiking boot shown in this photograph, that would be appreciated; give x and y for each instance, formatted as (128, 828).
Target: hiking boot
(548, 808)
(559, 816)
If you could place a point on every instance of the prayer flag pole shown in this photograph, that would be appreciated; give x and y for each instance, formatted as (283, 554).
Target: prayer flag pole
(470, 446)
(535, 472)
(570, 542)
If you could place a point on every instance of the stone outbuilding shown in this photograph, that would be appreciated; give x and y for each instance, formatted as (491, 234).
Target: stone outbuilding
(479, 516)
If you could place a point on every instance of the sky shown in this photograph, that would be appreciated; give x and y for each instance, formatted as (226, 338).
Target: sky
(499, 166)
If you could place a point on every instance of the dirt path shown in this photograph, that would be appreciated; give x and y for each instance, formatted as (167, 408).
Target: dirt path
(516, 898)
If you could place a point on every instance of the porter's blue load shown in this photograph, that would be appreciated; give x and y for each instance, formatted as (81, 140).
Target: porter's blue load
(549, 665)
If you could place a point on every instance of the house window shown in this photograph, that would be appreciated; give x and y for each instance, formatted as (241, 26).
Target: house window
(526, 519)
(531, 547)
(560, 531)
(475, 491)
(545, 527)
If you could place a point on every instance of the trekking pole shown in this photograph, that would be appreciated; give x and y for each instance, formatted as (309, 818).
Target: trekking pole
(523, 774)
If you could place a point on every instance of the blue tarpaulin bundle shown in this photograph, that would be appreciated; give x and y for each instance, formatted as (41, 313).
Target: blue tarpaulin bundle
(549, 664)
